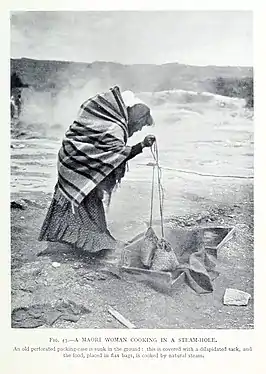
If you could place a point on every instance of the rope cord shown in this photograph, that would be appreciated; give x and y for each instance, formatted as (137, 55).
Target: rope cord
(155, 154)
(202, 174)
(152, 195)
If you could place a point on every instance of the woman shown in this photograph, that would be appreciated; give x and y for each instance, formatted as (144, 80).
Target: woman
(91, 162)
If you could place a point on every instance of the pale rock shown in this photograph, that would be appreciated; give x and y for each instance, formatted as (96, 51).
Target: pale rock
(56, 265)
(236, 297)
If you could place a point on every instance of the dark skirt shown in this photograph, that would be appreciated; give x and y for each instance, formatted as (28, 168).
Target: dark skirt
(85, 230)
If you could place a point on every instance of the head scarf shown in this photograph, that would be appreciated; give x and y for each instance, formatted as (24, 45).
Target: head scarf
(138, 109)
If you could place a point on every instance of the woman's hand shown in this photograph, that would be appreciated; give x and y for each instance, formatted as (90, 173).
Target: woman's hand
(148, 141)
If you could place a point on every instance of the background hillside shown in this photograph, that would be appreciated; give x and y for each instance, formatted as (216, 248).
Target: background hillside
(57, 75)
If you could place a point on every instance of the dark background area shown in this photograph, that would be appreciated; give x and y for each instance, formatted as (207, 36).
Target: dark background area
(45, 75)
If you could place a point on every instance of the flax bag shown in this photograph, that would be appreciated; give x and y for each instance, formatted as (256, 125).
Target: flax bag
(164, 258)
(148, 247)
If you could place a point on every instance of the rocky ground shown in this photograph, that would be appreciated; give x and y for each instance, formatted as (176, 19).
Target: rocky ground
(64, 289)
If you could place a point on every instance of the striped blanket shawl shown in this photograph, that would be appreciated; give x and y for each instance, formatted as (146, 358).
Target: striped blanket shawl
(94, 145)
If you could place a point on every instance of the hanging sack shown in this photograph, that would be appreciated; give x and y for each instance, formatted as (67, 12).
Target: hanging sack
(150, 243)
(164, 257)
